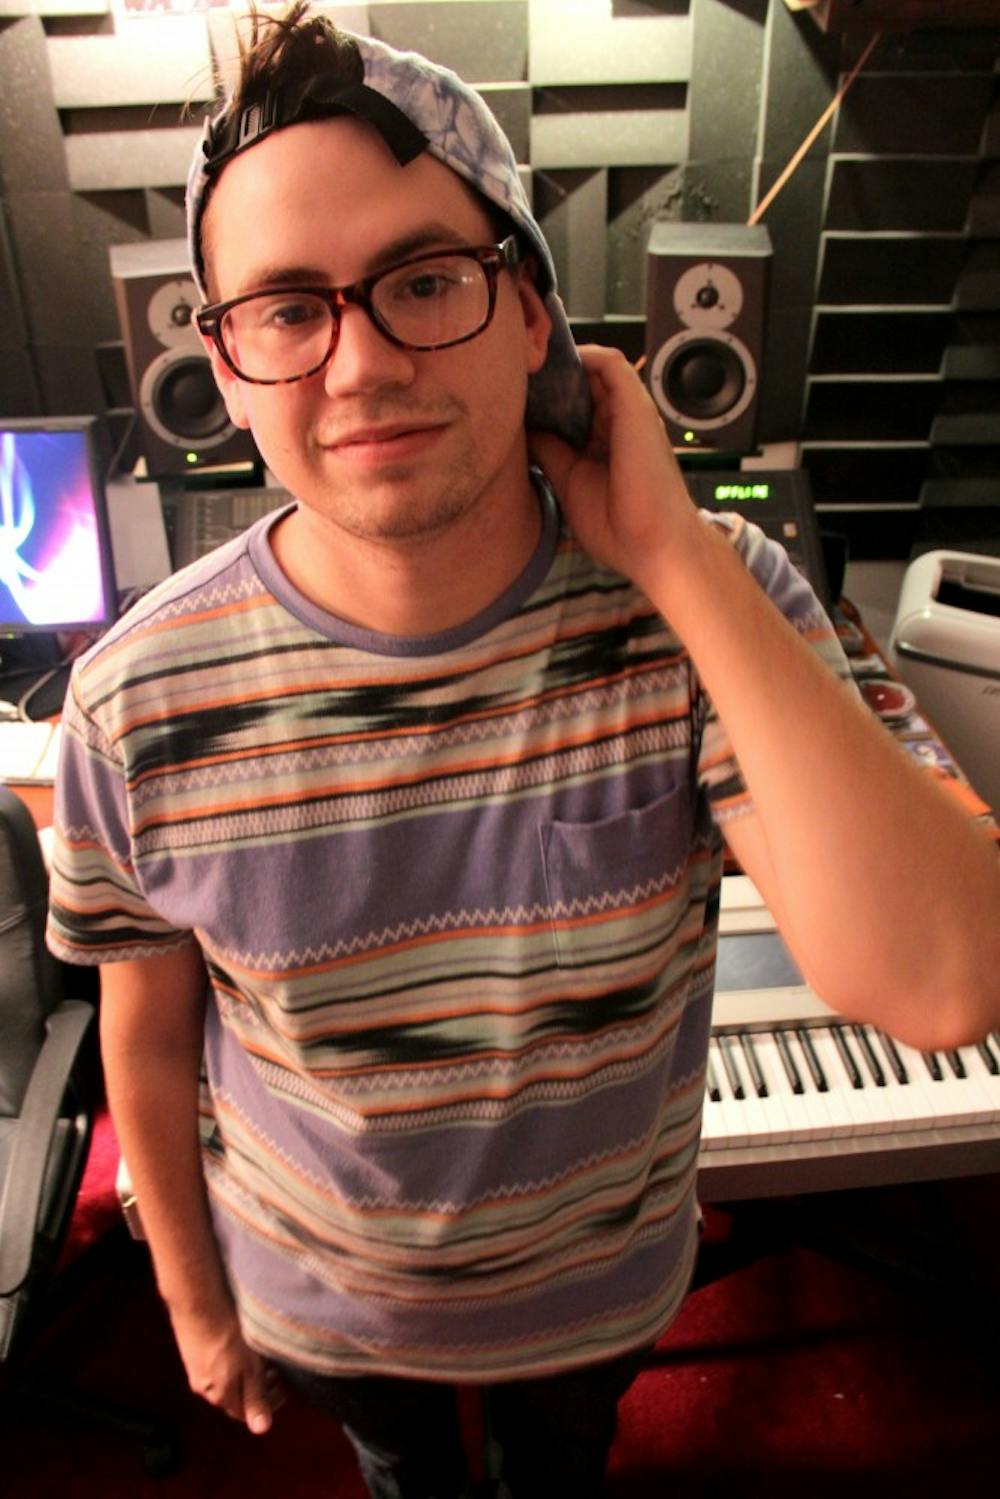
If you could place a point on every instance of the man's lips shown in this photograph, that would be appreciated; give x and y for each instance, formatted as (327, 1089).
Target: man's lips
(380, 444)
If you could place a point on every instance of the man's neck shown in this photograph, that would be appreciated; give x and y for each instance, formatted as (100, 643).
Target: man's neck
(411, 587)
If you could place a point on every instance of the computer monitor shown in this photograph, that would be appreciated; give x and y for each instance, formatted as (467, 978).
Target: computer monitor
(56, 564)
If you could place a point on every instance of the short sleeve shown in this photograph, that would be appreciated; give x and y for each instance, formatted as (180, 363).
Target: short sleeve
(719, 774)
(97, 913)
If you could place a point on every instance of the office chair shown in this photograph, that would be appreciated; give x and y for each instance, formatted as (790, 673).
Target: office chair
(50, 1088)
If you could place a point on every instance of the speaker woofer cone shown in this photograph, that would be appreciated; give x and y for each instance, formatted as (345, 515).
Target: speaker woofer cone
(182, 403)
(705, 379)
(187, 400)
(702, 382)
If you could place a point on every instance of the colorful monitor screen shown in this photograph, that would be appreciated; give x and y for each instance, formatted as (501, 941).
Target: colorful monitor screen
(56, 567)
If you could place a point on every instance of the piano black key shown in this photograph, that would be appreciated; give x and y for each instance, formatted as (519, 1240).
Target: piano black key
(986, 1052)
(714, 1091)
(868, 1054)
(933, 1066)
(955, 1063)
(893, 1058)
(756, 1075)
(847, 1057)
(812, 1060)
(732, 1070)
(788, 1062)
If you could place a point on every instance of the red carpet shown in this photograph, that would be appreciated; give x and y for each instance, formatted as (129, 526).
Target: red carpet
(798, 1374)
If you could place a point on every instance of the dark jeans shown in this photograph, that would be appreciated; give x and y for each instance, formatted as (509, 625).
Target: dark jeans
(554, 1433)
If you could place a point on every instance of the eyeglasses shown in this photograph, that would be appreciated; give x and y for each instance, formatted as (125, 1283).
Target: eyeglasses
(429, 302)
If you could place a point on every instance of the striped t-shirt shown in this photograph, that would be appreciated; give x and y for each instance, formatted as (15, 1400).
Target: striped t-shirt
(457, 896)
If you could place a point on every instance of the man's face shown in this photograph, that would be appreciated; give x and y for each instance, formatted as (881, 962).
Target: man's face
(386, 443)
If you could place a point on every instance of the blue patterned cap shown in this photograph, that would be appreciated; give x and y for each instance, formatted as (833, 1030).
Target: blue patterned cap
(460, 131)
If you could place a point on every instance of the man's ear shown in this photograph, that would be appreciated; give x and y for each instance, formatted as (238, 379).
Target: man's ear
(232, 389)
(537, 323)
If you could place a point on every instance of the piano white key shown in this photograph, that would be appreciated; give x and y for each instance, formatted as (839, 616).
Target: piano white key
(849, 1106)
(713, 1124)
(814, 1103)
(772, 1112)
(728, 1125)
(975, 1095)
(915, 1104)
(881, 1096)
(904, 1106)
(987, 1087)
(948, 1100)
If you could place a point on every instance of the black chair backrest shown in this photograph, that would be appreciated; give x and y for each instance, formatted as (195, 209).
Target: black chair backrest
(30, 984)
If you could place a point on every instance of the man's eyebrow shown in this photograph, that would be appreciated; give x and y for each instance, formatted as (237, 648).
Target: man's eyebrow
(429, 236)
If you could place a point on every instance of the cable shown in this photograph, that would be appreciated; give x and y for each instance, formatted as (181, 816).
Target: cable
(36, 687)
(827, 114)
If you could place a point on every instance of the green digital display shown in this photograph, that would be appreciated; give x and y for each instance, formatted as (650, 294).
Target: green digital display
(742, 492)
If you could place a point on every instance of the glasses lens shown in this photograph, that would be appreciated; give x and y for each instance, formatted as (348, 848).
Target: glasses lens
(434, 301)
(278, 336)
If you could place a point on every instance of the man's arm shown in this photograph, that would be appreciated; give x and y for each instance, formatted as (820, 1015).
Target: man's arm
(152, 1019)
(888, 897)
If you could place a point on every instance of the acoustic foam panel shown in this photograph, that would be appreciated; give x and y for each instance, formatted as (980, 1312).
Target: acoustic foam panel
(898, 193)
(511, 103)
(31, 146)
(717, 191)
(867, 474)
(598, 127)
(984, 205)
(43, 232)
(784, 362)
(485, 41)
(637, 197)
(795, 218)
(146, 61)
(68, 378)
(728, 44)
(883, 341)
(19, 391)
(801, 68)
(912, 115)
(978, 285)
(578, 41)
(13, 328)
(845, 411)
(572, 210)
(165, 213)
(102, 220)
(118, 159)
(873, 270)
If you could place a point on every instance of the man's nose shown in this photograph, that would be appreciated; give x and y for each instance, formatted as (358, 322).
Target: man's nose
(363, 358)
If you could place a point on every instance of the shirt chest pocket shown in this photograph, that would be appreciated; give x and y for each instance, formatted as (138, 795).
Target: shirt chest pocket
(617, 888)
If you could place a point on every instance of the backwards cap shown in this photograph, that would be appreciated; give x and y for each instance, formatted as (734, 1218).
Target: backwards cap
(415, 105)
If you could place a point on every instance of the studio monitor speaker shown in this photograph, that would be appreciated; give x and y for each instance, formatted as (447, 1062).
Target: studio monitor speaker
(181, 417)
(706, 288)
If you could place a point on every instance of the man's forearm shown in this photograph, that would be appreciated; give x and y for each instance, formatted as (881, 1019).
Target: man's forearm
(155, 1116)
(152, 1022)
(890, 898)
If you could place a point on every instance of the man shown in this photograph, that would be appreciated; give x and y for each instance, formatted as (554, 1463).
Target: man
(403, 810)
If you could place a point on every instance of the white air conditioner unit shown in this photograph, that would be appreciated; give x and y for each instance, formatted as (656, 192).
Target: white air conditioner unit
(946, 646)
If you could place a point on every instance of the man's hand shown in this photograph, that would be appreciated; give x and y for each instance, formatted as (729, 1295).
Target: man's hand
(624, 495)
(225, 1371)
